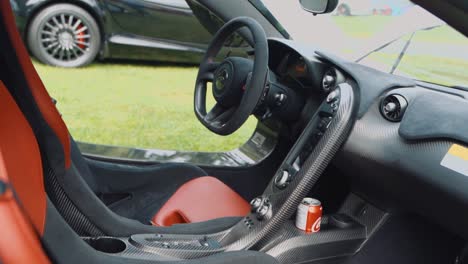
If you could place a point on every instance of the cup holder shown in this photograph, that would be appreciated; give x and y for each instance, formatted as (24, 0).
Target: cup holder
(107, 244)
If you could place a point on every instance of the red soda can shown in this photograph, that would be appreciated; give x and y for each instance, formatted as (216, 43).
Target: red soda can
(309, 215)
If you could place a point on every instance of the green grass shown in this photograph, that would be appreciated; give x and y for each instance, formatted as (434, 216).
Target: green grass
(445, 71)
(363, 27)
(151, 106)
(134, 105)
(427, 67)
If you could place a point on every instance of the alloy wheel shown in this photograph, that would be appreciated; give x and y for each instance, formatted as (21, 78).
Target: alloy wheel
(65, 37)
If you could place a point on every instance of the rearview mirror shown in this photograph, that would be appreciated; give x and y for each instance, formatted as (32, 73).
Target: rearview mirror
(319, 6)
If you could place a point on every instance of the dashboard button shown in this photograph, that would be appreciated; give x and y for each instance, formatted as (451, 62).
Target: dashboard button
(324, 123)
(333, 96)
(280, 99)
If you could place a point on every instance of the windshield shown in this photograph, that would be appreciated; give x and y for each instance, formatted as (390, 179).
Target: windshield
(394, 36)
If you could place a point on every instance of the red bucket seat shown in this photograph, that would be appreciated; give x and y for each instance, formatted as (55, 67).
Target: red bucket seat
(68, 179)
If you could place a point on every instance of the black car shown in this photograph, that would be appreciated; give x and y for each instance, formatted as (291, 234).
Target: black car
(74, 33)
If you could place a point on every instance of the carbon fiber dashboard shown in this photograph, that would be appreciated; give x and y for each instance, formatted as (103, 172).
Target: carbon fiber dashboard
(402, 174)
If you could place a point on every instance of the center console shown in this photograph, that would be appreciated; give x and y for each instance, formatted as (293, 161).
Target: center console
(270, 227)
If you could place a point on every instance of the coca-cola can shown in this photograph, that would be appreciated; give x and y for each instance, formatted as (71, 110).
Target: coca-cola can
(309, 215)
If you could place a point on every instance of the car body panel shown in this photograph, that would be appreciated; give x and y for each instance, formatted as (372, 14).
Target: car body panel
(126, 28)
(157, 19)
(25, 10)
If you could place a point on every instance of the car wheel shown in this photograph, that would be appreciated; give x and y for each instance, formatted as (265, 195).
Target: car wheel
(344, 10)
(64, 35)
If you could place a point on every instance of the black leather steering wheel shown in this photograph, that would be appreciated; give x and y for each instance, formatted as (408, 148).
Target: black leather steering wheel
(238, 83)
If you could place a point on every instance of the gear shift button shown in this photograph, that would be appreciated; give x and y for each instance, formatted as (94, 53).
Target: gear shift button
(256, 203)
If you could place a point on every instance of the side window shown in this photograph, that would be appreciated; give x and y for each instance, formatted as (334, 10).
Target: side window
(130, 81)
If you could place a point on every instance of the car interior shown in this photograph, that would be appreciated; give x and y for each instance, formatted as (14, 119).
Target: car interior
(385, 155)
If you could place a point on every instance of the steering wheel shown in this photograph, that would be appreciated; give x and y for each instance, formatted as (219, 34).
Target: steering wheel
(237, 83)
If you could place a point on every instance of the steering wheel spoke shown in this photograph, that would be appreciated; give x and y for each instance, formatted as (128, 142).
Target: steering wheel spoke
(219, 115)
(206, 71)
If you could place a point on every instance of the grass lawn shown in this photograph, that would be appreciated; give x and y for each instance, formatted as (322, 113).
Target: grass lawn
(446, 71)
(364, 27)
(151, 106)
(134, 105)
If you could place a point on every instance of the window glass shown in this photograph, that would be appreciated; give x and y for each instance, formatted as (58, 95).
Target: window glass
(138, 91)
(434, 53)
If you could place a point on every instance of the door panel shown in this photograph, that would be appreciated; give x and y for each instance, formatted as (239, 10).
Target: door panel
(162, 19)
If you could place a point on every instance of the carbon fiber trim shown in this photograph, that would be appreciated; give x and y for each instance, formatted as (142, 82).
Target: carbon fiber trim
(72, 215)
(405, 174)
(129, 251)
(369, 216)
(295, 246)
(290, 246)
(178, 246)
(284, 203)
(169, 247)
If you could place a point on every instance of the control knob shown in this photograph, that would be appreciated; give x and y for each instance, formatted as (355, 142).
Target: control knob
(283, 179)
(256, 203)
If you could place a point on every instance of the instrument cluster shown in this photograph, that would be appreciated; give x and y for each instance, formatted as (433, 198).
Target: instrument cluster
(293, 70)
(300, 70)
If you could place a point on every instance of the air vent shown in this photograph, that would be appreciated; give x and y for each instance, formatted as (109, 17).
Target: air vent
(393, 107)
(329, 80)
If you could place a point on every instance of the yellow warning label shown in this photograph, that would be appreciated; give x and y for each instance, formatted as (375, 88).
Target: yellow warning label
(459, 151)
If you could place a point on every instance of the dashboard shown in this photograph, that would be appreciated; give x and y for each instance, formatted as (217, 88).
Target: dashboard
(294, 69)
(402, 132)
(303, 77)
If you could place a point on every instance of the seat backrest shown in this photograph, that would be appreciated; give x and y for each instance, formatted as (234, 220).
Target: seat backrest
(23, 83)
(22, 160)
(21, 171)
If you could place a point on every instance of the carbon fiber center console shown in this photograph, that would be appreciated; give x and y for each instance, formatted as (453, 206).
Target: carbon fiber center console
(269, 227)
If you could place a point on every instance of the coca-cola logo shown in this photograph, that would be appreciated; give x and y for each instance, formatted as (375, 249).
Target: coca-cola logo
(316, 225)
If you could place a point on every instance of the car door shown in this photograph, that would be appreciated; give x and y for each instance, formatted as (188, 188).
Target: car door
(163, 20)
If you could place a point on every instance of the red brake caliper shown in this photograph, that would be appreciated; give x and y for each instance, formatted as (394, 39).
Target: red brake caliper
(80, 37)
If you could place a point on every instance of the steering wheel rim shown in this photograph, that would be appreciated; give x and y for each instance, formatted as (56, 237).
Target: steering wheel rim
(220, 119)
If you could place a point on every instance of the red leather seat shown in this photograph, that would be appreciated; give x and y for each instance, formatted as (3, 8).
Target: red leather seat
(199, 200)
(21, 168)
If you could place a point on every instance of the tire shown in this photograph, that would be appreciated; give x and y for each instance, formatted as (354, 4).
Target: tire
(64, 35)
(344, 10)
